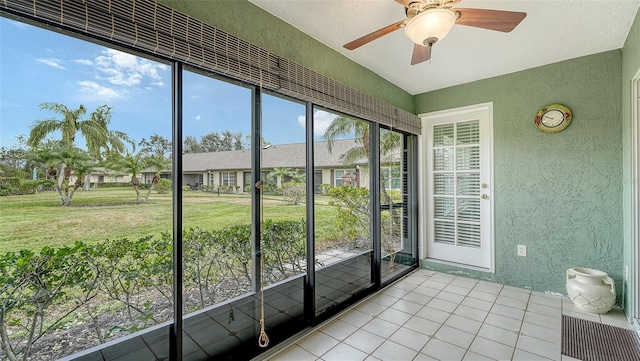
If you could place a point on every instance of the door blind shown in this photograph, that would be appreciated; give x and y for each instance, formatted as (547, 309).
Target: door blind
(456, 180)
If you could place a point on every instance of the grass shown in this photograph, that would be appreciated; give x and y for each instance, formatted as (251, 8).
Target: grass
(37, 220)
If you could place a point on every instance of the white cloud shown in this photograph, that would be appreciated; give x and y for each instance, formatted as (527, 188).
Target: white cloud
(197, 117)
(52, 62)
(195, 97)
(83, 61)
(95, 90)
(321, 121)
(128, 70)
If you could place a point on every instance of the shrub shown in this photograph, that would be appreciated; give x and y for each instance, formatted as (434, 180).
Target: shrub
(271, 189)
(46, 183)
(135, 275)
(163, 186)
(122, 185)
(208, 188)
(324, 188)
(114, 185)
(294, 193)
(27, 186)
(8, 185)
(395, 195)
(352, 210)
(17, 186)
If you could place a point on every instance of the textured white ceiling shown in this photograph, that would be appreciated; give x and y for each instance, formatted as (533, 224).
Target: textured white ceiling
(552, 31)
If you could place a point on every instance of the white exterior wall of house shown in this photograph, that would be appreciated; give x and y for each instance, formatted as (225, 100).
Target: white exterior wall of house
(364, 179)
(239, 175)
(213, 178)
(191, 179)
(326, 177)
(107, 178)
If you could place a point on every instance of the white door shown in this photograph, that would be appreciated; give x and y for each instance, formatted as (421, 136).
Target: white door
(458, 154)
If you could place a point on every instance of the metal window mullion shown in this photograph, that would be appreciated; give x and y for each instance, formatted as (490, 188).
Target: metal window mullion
(175, 336)
(256, 147)
(374, 206)
(310, 280)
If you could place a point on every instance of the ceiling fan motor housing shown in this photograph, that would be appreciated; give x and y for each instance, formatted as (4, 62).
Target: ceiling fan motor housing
(430, 26)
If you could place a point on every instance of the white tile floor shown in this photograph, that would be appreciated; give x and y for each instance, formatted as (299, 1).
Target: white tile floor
(436, 316)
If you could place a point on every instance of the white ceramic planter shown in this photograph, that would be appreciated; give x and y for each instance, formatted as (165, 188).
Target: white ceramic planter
(591, 290)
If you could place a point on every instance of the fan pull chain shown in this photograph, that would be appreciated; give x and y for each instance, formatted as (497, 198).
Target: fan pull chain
(263, 340)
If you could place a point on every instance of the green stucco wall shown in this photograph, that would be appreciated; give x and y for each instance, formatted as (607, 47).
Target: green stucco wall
(558, 194)
(250, 23)
(630, 67)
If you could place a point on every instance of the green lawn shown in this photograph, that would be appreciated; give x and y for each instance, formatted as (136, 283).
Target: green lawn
(37, 220)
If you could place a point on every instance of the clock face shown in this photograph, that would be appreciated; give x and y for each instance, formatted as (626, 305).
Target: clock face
(553, 118)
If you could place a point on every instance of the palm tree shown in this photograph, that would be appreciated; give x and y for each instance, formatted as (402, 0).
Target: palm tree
(94, 130)
(108, 140)
(81, 169)
(280, 173)
(390, 143)
(71, 158)
(343, 126)
(157, 162)
(132, 163)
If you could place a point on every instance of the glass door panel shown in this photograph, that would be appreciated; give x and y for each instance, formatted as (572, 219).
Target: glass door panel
(397, 240)
(343, 248)
(284, 194)
(216, 209)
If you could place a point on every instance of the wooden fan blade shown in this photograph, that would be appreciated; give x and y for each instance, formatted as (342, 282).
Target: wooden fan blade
(374, 35)
(498, 20)
(420, 53)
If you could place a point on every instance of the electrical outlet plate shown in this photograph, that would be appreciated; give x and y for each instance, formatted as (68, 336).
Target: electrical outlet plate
(626, 272)
(522, 250)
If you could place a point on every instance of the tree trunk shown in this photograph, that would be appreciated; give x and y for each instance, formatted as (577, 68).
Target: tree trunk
(58, 186)
(4, 339)
(154, 181)
(87, 182)
(76, 185)
(67, 174)
(136, 185)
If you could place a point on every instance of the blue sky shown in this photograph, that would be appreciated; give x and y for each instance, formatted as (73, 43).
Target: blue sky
(39, 66)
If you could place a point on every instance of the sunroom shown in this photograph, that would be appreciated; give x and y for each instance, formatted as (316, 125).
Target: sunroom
(456, 205)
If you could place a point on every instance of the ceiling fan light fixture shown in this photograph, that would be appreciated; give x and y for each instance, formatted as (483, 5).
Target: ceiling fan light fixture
(430, 26)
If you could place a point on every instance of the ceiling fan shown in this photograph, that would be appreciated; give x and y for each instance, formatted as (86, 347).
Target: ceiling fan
(428, 21)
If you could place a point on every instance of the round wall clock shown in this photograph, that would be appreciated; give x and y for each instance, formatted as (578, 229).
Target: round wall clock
(553, 118)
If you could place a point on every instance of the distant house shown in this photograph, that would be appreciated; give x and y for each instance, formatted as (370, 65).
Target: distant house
(103, 175)
(233, 168)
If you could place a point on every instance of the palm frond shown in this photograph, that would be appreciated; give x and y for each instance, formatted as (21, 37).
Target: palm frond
(41, 129)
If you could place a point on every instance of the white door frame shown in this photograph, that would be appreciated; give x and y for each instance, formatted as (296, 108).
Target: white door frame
(634, 277)
(423, 179)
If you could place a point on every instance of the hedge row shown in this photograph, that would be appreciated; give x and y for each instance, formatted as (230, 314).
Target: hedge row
(11, 186)
(59, 289)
